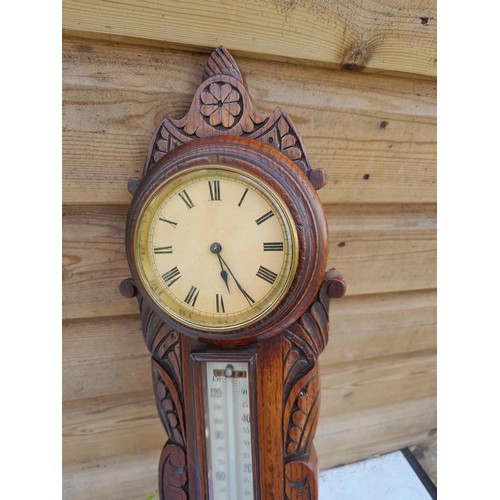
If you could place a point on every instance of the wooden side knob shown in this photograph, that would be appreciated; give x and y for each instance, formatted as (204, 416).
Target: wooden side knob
(127, 288)
(337, 286)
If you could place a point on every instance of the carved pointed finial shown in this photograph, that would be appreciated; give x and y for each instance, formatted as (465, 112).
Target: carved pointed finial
(221, 62)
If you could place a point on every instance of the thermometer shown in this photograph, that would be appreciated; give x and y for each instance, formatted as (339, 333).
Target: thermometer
(228, 431)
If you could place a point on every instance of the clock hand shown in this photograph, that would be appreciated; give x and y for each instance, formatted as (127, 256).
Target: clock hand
(223, 273)
(245, 294)
(216, 248)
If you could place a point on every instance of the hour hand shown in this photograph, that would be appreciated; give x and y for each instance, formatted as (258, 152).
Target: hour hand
(216, 248)
(223, 273)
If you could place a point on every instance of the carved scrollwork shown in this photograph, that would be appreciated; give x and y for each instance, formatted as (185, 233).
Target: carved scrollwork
(169, 404)
(163, 342)
(302, 343)
(172, 469)
(301, 412)
(165, 347)
(173, 473)
(279, 132)
(300, 479)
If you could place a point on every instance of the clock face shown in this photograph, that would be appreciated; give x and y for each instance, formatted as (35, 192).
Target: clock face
(215, 248)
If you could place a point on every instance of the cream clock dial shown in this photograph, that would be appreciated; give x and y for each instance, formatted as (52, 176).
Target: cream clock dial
(216, 248)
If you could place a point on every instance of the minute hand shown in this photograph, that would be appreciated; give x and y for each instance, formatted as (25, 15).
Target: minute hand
(245, 294)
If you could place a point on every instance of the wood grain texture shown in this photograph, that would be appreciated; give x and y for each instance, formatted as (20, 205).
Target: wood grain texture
(383, 249)
(376, 137)
(117, 424)
(371, 326)
(126, 477)
(379, 35)
(387, 380)
(364, 327)
(426, 455)
(355, 436)
(115, 95)
(104, 356)
(343, 439)
(127, 423)
(380, 249)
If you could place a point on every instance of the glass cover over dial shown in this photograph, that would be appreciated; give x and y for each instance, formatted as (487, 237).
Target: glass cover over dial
(216, 248)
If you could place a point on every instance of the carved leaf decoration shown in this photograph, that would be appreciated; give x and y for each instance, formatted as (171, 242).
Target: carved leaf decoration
(300, 481)
(167, 351)
(173, 473)
(291, 357)
(298, 360)
(280, 133)
(320, 317)
(312, 327)
(151, 323)
(301, 414)
(163, 342)
(167, 138)
(221, 62)
(169, 404)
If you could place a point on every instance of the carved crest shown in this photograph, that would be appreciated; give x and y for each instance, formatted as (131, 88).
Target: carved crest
(223, 106)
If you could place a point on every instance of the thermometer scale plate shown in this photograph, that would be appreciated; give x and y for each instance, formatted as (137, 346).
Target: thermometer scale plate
(229, 433)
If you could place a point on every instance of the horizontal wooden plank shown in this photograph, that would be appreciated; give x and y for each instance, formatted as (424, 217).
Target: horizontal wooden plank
(127, 423)
(94, 262)
(114, 96)
(352, 437)
(378, 249)
(108, 356)
(104, 356)
(371, 326)
(117, 424)
(383, 249)
(381, 35)
(125, 477)
(357, 385)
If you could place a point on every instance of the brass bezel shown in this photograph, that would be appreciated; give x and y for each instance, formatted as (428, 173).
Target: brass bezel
(261, 308)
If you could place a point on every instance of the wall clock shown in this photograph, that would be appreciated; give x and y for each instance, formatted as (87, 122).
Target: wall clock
(227, 246)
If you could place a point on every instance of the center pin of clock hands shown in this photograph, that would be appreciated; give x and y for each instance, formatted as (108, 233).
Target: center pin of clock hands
(216, 248)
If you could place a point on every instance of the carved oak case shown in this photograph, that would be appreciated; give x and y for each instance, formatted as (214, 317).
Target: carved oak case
(263, 307)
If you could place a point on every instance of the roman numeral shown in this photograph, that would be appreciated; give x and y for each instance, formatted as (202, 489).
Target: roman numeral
(192, 296)
(172, 223)
(243, 197)
(163, 250)
(214, 187)
(186, 199)
(264, 217)
(170, 277)
(266, 275)
(274, 246)
(219, 303)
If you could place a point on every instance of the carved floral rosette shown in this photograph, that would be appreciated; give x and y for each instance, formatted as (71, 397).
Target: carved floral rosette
(223, 106)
